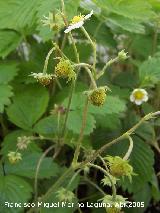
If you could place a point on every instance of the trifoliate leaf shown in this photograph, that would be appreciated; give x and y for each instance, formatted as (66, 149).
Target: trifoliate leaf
(28, 106)
(5, 94)
(13, 189)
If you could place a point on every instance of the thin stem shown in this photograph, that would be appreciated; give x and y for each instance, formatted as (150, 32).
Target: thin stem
(87, 66)
(54, 187)
(95, 186)
(73, 81)
(107, 174)
(84, 120)
(74, 48)
(47, 59)
(68, 107)
(63, 6)
(91, 77)
(110, 62)
(60, 51)
(37, 171)
(73, 177)
(104, 163)
(93, 44)
(128, 153)
(83, 65)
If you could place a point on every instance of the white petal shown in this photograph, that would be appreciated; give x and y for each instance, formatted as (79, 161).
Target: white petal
(74, 26)
(135, 90)
(89, 15)
(145, 98)
(138, 102)
(132, 98)
(144, 91)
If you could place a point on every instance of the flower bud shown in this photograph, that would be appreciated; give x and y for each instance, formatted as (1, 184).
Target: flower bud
(14, 157)
(122, 55)
(65, 195)
(54, 21)
(22, 142)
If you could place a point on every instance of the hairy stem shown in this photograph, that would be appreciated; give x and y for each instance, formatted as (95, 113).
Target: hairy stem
(110, 62)
(128, 153)
(37, 171)
(47, 59)
(93, 44)
(95, 186)
(84, 120)
(107, 174)
(54, 187)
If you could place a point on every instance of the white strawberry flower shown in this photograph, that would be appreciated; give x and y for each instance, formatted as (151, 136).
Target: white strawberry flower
(78, 22)
(138, 96)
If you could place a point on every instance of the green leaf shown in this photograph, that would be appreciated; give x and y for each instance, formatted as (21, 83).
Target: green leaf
(133, 9)
(125, 24)
(27, 167)
(47, 126)
(126, 80)
(74, 122)
(155, 188)
(9, 41)
(13, 190)
(111, 122)
(18, 14)
(112, 105)
(28, 106)
(7, 72)
(10, 143)
(149, 72)
(143, 195)
(5, 94)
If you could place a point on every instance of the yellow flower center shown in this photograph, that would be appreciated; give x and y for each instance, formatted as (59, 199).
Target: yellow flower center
(139, 95)
(77, 19)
